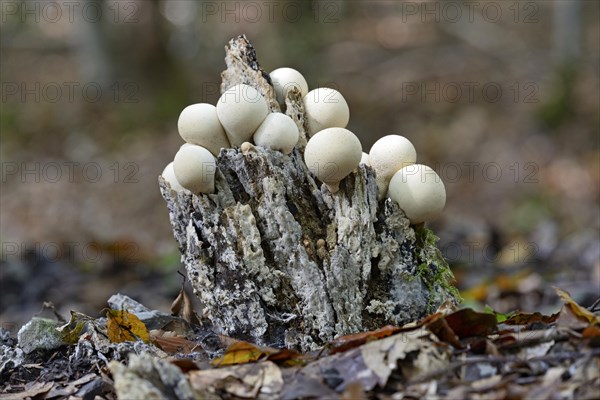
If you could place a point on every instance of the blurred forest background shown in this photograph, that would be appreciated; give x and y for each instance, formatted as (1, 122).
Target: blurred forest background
(502, 98)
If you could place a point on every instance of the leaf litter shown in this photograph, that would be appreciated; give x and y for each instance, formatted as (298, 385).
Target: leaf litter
(134, 352)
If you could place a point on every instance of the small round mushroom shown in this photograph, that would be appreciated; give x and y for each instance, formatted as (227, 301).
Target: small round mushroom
(241, 109)
(365, 159)
(169, 175)
(332, 154)
(286, 78)
(278, 132)
(198, 124)
(387, 156)
(195, 168)
(325, 108)
(419, 191)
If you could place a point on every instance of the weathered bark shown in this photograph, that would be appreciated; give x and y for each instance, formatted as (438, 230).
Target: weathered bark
(277, 259)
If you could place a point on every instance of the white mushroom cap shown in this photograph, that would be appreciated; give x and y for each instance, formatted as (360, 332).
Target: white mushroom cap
(325, 108)
(387, 156)
(419, 191)
(168, 175)
(332, 154)
(241, 109)
(198, 124)
(286, 78)
(365, 159)
(195, 168)
(278, 132)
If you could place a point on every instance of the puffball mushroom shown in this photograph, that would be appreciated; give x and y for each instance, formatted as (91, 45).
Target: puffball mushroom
(387, 156)
(168, 175)
(278, 132)
(241, 109)
(419, 191)
(198, 124)
(332, 154)
(195, 168)
(325, 108)
(286, 78)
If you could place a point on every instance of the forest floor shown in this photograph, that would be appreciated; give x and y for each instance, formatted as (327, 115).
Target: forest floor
(135, 352)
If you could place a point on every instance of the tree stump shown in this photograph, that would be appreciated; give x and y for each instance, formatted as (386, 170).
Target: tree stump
(277, 259)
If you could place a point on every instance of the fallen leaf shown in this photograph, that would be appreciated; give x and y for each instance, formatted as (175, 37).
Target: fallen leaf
(185, 364)
(526, 319)
(174, 345)
(243, 352)
(32, 390)
(240, 353)
(72, 329)
(286, 358)
(245, 381)
(579, 311)
(568, 318)
(440, 328)
(500, 317)
(347, 342)
(382, 356)
(468, 323)
(124, 326)
(183, 307)
(591, 332)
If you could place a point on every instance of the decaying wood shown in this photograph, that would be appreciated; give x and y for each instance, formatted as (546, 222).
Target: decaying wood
(277, 259)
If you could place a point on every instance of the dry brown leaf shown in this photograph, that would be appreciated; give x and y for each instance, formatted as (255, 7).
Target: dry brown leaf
(183, 307)
(591, 332)
(468, 323)
(286, 358)
(124, 326)
(245, 381)
(580, 312)
(32, 390)
(173, 345)
(526, 319)
(382, 356)
(185, 364)
(440, 328)
(347, 342)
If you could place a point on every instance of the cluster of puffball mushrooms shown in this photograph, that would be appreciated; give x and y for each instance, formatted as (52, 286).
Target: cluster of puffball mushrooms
(332, 152)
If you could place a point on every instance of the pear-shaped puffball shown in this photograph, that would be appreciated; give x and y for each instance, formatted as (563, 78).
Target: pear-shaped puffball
(198, 124)
(325, 108)
(195, 168)
(169, 175)
(286, 78)
(332, 154)
(419, 191)
(278, 132)
(365, 159)
(241, 109)
(387, 156)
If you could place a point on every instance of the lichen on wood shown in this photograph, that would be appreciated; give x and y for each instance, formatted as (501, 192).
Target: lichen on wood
(276, 258)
